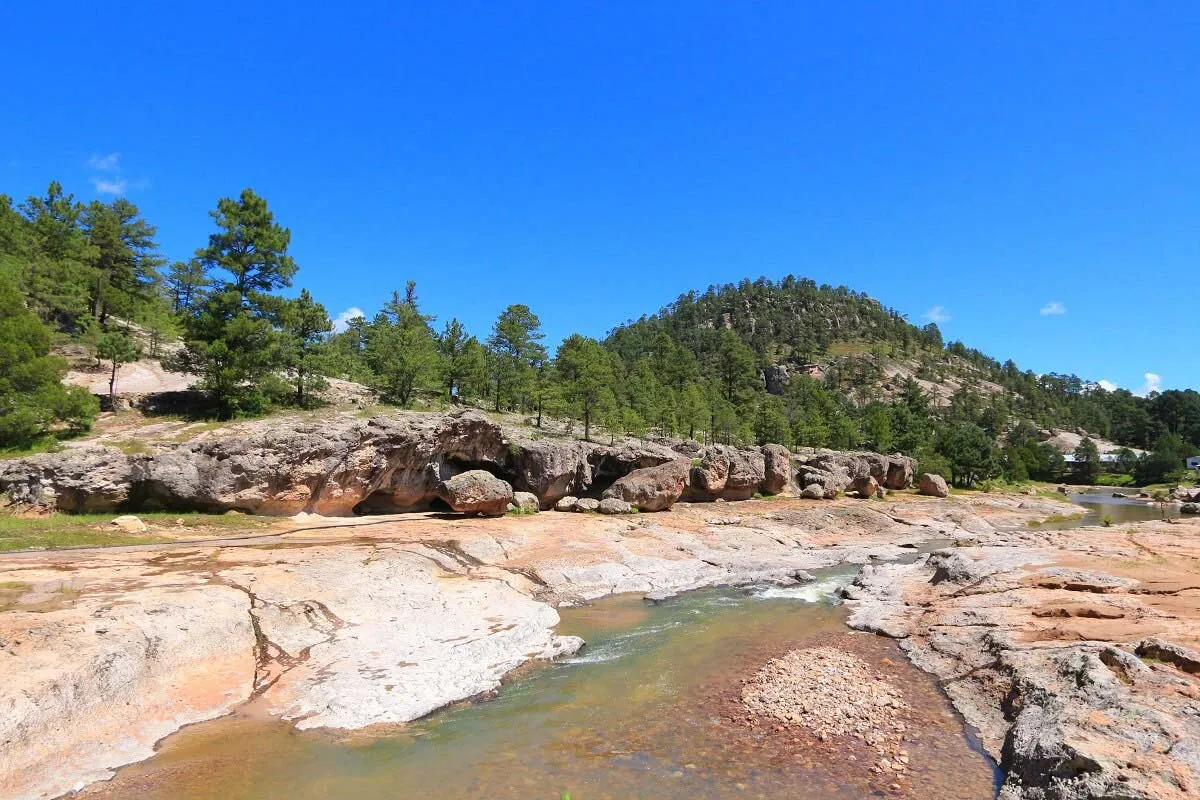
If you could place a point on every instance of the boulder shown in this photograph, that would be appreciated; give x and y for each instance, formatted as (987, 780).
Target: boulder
(129, 523)
(747, 473)
(831, 484)
(710, 474)
(778, 468)
(525, 502)
(566, 503)
(933, 485)
(899, 472)
(652, 488)
(1190, 508)
(866, 487)
(587, 504)
(476, 491)
(611, 505)
(814, 491)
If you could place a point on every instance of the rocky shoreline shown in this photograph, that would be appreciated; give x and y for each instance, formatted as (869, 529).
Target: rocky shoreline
(387, 619)
(1067, 650)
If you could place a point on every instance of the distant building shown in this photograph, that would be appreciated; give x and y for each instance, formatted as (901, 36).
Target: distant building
(1193, 462)
(1105, 458)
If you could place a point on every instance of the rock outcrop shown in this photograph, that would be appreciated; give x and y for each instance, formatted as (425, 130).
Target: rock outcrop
(1073, 676)
(78, 480)
(343, 465)
(834, 472)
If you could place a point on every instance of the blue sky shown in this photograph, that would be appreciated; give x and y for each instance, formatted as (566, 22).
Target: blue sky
(1025, 173)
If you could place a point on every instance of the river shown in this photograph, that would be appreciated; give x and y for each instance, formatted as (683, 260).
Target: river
(645, 710)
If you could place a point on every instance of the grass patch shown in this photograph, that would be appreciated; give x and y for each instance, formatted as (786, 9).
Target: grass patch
(517, 511)
(1114, 479)
(133, 447)
(93, 530)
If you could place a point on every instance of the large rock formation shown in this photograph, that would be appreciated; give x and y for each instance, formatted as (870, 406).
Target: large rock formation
(344, 464)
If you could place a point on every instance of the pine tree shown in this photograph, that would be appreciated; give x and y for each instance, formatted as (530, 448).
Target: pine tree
(464, 369)
(693, 410)
(305, 325)
(117, 348)
(233, 342)
(57, 259)
(126, 259)
(402, 348)
(514, 348)
(32, 396)
(251, 247)
(584, 375)
(185, 282)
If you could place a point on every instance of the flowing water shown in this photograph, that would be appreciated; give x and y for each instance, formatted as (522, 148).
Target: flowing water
(648, 709)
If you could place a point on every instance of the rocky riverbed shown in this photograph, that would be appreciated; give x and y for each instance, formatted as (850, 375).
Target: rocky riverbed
(1073, 652)
(386, 619)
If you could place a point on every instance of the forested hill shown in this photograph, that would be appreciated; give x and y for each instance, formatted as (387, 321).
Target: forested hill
(789, 362)
(830, 355)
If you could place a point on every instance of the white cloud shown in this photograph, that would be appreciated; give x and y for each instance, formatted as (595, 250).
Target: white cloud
(1053, 309)
(113, 185)
(107, 163)
(937, 314)
(342, 320)
(1107, 386)
(1153, 384)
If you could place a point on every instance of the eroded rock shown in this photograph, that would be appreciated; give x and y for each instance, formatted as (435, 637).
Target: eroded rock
(476, 491)
(652, 488)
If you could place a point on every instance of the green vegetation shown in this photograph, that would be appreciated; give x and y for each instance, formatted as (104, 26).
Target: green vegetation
(1115, 480)
(95, 530)
(843, 370)
(117, 348)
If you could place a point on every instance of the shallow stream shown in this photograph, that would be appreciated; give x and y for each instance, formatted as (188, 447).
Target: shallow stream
(1099, 502)
(648, 709)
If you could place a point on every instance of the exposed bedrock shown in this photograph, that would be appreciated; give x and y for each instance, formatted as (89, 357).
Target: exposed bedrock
(343, 464)
(1049, 663)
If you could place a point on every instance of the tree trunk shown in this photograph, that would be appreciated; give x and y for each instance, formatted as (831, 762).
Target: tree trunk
(300, 387)
(112, 384)
(587, 425)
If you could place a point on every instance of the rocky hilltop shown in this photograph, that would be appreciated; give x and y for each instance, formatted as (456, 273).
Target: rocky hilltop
(344, 465)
